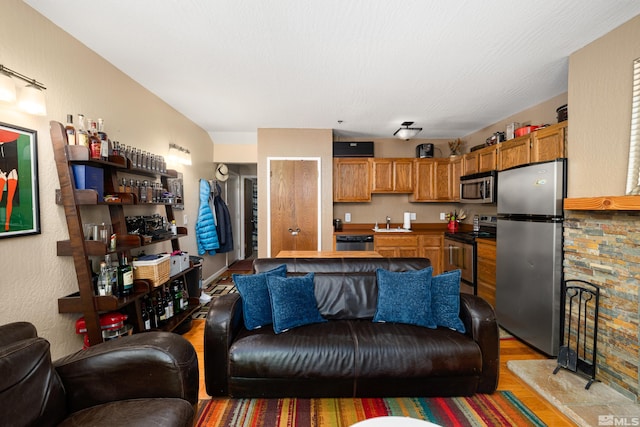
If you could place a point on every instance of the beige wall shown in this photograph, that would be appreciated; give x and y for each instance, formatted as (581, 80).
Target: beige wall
(600, 81)
(295, 143)
(32, 277)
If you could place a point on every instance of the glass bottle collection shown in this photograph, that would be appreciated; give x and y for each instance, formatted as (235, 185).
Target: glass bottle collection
(160, 307)
(101, 147)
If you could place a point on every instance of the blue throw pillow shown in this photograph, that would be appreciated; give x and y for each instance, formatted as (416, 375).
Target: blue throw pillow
(405, 297)
(256, 306)
(445, 300)
(293, 302)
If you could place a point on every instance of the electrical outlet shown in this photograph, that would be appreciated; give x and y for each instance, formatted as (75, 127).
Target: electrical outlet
(347, 217)
(413, 216)
(443, 216)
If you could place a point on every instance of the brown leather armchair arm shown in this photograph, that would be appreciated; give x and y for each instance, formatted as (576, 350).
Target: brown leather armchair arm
(224, 320)
(146, 365)
(16, 331)
(480, 322)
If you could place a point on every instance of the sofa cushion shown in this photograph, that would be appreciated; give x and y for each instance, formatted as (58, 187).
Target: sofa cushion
(304, 352)
(253, 289)
(293, 302)
(445, 300)
(405, 297)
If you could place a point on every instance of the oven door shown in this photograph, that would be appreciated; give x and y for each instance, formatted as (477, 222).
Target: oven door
(460, 255)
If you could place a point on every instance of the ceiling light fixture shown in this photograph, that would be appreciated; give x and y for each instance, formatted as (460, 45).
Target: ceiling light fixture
(178, 154)
(31, 98)
(406, 132)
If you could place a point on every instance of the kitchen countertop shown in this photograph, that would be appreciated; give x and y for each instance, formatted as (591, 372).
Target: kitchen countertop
(416, 228)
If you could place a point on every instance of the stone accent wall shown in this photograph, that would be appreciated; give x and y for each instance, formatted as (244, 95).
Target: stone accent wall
(603, 248)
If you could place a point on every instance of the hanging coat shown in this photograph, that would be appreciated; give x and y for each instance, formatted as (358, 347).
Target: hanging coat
(206, 234)
(223, 222)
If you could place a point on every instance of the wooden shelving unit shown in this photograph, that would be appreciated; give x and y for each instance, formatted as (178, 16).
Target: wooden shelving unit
(604, 203)
(73, 200)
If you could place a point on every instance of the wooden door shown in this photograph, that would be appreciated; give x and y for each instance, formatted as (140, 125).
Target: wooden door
(249, 219)
(294, 205)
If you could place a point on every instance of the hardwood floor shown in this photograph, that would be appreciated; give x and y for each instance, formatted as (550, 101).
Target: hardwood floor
(510, 349)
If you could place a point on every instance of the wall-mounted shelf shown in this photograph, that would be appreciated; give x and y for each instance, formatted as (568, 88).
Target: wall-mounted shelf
(604, 203)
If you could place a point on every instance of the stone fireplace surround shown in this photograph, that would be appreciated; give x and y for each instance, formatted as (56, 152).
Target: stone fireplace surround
(603, 247)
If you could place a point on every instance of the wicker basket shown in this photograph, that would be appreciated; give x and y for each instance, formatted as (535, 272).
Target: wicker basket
(155, 271)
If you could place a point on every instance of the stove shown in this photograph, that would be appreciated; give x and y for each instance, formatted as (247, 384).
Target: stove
(460, 249)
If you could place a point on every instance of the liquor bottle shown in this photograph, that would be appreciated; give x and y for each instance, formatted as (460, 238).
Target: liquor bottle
(177, 297)
(105, 149)
(70, 130)
(82, 137)
(185, 297)
(160, 311)
(113, 275)
(104, 281)
(168, 304)
(153, 318)
(122, 186)
(146, 320)
(125, 277)
(94, 142)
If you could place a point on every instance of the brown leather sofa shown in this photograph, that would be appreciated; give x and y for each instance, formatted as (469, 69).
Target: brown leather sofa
(349, 355)
(140, 380)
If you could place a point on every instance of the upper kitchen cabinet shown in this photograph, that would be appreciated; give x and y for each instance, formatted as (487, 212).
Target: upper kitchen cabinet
(482, 160)
(436, 180)
(549, 143)
(541, 145)
(392, 175)
(351, 180)
(515, 152)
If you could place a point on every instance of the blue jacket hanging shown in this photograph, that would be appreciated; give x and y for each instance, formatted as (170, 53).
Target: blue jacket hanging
(206, 234)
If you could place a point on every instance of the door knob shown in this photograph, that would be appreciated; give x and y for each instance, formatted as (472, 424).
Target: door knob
(294, 232)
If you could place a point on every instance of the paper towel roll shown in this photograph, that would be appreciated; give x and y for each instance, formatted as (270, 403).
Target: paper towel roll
(407, 221)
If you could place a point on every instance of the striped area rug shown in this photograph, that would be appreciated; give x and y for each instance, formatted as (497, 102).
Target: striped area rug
(499, 409)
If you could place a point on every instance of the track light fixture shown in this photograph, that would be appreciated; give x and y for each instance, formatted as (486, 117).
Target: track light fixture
(406, 132)
(31, 97)
(179, 154)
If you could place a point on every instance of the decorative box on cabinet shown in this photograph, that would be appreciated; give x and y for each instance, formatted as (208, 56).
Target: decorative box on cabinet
(74, 201)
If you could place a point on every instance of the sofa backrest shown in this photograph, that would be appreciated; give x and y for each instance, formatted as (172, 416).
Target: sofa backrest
(345, 288)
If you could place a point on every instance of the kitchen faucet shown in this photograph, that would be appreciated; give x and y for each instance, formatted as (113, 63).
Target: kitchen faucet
(388, 222)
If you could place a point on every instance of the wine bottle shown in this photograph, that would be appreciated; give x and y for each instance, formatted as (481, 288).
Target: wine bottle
(104, 281)
(146, 320)
(177, 297)
(125, 277)
(153, 319)
(105, 149)
(168, 305)
(162, 314)
(70, 130)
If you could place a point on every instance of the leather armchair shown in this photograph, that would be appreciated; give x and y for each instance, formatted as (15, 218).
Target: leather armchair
(144, 379)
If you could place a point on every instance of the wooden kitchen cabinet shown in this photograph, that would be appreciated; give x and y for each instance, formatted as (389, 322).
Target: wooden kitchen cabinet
(486, 274)
(434, 180)
(456, 173)
(549, 143)
(391, 175)
(544, 144)
(431, 246)
(396, 245)
(482, 160)
(514, 152)
(351, 180)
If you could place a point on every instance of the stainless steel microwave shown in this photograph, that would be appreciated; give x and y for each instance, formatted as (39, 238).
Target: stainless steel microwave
(479, 187)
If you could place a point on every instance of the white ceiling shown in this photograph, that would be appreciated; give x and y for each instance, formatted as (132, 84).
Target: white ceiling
(234, 66)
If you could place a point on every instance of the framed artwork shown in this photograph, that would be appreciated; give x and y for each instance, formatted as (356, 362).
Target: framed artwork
(19, 202)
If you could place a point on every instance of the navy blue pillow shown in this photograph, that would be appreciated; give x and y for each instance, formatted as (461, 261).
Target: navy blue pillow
(293, 302)
(256, 306)
(405, 297)
(445, 300)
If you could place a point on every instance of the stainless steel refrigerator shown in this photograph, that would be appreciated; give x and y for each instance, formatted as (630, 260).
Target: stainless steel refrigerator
(529, 252)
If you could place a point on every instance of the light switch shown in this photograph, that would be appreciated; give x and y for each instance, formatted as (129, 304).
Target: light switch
(347, 217)
(185, 219)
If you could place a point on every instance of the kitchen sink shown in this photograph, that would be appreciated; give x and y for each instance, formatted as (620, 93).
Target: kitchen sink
(391, 230)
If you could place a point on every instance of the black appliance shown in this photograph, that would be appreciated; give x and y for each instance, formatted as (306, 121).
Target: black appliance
(424, 151)
(460, 249)
(353, 149)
